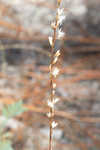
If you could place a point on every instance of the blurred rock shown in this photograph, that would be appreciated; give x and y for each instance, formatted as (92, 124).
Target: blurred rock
(57, 133)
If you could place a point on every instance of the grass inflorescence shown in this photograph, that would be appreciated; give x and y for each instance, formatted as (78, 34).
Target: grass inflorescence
(53, 69)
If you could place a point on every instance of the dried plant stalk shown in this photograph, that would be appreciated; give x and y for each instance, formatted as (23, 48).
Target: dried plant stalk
(54, 71)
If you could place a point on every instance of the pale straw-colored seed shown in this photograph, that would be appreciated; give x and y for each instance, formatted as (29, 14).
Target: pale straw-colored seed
(54, 85)
(60, 11)
(55, 71)
(50, 104)
(57, 54)
(49, 115)
(50, 40)
(54, 124)
(53, 92)
(55, 60)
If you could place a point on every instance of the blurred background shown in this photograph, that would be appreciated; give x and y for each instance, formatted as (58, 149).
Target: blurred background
(24, 74)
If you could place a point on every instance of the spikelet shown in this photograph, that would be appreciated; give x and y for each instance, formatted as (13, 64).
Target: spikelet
(54, 124)
(54, 85)
(50, 104)
(50, 40)
(57, 54)
(55, 71)
(49, 115)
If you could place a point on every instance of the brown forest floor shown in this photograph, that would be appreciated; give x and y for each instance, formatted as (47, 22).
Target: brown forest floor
(24, 76)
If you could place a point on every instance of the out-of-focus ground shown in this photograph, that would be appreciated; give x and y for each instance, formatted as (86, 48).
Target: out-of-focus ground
(24, 60)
